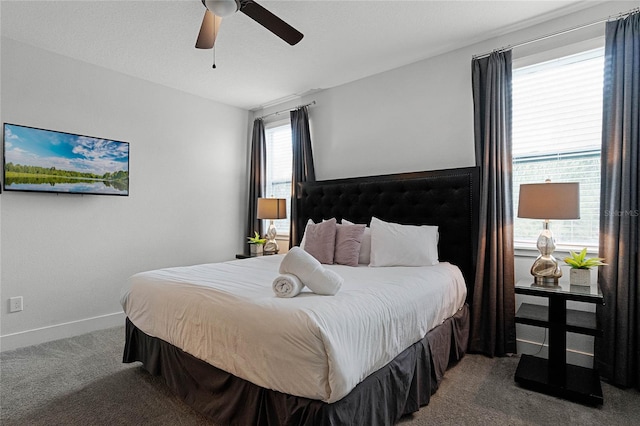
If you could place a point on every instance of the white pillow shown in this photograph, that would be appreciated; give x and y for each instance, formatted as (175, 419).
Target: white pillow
(365, 245)
(393, 244)
(304, 236)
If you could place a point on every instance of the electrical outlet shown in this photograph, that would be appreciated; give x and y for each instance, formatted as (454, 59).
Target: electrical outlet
(15, 304)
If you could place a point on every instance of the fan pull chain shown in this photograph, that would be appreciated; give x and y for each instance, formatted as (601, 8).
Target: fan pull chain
(214, 43)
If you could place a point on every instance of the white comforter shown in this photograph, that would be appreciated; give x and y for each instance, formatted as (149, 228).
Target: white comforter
(319, 347)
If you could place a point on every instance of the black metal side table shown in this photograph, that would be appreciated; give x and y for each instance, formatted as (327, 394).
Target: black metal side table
(553, 375)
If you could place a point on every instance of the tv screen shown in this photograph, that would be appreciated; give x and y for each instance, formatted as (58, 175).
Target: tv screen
(49, 161)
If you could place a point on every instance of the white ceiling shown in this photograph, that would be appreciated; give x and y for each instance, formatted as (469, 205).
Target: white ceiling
(344, 40)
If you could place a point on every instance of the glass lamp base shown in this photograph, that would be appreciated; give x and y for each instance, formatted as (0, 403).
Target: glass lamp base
(271, 246)
(546, 270)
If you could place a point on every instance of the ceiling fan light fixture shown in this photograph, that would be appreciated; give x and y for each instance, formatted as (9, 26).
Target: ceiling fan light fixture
(222, 8)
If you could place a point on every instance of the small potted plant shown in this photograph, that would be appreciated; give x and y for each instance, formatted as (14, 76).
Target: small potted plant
(580, 273)
(256, 243)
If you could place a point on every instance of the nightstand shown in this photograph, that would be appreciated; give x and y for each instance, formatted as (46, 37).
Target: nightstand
(246, 255)
(554, 376)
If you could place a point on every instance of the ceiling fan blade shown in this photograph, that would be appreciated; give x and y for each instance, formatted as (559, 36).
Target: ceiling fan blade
(271, 22)
(208, 30)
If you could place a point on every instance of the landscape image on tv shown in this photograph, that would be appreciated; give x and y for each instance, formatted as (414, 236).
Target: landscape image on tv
(50, 161)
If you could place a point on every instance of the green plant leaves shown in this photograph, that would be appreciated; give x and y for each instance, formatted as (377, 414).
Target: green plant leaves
(581, 261)
(256, 239)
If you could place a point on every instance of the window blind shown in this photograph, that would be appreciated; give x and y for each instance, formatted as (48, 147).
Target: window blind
(557, 126)
(279, 163)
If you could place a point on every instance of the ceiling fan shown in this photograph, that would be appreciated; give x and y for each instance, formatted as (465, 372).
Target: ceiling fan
(218, 9)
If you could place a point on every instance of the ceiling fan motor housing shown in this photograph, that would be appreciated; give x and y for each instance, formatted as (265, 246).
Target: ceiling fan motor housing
(222, 8)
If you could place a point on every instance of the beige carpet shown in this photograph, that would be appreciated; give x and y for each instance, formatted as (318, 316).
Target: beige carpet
(82, 381)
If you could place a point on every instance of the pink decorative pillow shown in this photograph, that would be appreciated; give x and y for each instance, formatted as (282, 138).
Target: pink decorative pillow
(320, 240)
(365, 244)
(348, 241)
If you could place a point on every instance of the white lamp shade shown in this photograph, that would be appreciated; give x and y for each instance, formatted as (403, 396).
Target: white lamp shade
(549, 200)
(272, 208)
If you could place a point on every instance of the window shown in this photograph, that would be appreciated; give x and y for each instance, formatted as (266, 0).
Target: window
(557, 128)
(279, 163)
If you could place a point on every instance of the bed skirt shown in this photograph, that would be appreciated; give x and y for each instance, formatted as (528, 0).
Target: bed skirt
(400, 387)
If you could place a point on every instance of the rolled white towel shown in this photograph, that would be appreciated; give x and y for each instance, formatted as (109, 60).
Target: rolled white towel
(324, 281)
(287, 285)
(312, 274)
(300, 263)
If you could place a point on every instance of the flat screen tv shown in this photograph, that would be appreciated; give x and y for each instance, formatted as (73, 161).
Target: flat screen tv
(49, 161)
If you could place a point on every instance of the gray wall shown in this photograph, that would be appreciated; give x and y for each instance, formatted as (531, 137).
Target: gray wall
(68, 255)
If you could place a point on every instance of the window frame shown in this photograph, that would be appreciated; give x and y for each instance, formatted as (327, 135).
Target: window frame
(282, 234)
(521, 246)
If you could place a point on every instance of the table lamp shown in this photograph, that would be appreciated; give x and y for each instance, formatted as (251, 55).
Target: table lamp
(548, 201)
(271, 208)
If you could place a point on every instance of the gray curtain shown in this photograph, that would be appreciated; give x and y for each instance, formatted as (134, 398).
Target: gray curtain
(256, 176)
(493, 300)
(618, 351)
(303, 170)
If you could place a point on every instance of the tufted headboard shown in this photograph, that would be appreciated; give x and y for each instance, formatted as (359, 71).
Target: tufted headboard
(447, 198)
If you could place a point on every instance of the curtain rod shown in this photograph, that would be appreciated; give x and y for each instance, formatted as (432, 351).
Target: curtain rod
(557, 33)
(286, 110)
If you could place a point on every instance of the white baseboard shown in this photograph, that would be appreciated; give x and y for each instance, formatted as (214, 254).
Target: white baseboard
(60, 331)
(574, 357)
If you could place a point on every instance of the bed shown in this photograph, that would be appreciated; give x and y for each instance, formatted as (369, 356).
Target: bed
(243, 376)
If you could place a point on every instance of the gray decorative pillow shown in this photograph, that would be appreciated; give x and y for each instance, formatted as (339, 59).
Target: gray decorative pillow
(348, 241)
(320, 240)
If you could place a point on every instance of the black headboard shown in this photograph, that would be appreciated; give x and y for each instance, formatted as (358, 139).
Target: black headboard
(447, 198)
